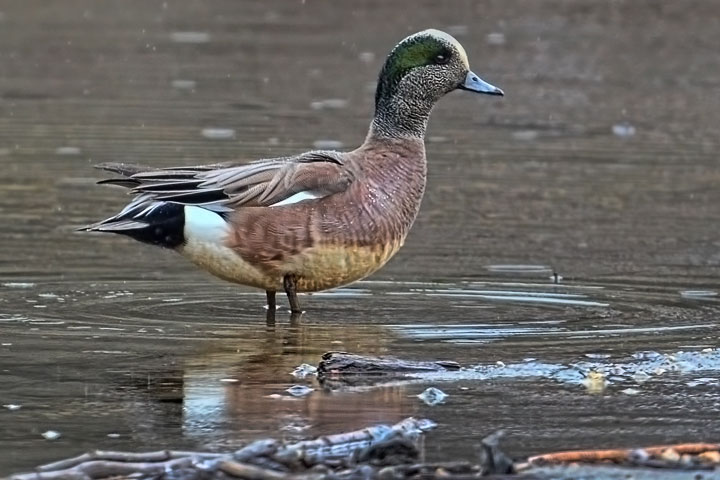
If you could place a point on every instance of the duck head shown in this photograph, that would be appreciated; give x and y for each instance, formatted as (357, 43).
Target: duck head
(420, 70)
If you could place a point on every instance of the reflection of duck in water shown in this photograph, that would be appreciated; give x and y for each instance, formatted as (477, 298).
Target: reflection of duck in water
(253, 399)
(317, 220)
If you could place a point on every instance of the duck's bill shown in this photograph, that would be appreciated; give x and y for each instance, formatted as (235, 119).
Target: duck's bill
(474, 83)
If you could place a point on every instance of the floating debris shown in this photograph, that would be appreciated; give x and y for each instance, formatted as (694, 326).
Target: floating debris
(630, 391)
(67, 151)
(229, 380)
(526, 135)
(184, 84)
(328, 144)
(190, 37)
(367, 57)
(18, 284)
(433, 396)
(623, 130)
(519, 268)
(51, 435)
(304, 370)
(299, 390)
(329, 104)
(700, 294)
(12, 406)
(457, 30)
(218, 133)
(113, 435)
(495, 38)
(595, 382)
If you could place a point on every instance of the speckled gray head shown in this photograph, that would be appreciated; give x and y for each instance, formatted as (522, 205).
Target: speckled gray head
(416, 74)
(434, 63)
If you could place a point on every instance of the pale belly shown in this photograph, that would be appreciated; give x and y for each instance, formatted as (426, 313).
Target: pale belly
(317, 268)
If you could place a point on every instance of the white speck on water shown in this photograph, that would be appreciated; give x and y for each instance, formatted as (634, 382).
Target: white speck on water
(630, 391)
(366, 57)
(184, 84)
(229, 380)
(623, 130)
(597, 355)
(48, 295)
(18, 284)
(68, 151)
(12, 406)
(525, 135)
(113, 435)
(304, 370)
(457, 30)
(172, 300)
(51, 435)
(327, 144)
(513, 268)
(299, 390)
(190, 37)
(329, 104)
(495, 38)
(218, 133)
(698, 293)
(433, 396)
(7, 344)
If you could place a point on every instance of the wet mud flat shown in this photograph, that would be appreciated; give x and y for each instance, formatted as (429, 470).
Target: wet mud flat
(600, 165)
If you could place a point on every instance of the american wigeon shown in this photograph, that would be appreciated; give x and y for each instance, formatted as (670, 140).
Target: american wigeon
(317, 220)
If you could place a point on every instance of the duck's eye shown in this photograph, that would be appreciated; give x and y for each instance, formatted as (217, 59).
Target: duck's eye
(442, 59)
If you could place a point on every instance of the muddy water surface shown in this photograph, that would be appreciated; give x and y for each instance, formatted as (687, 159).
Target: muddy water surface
(599, 164)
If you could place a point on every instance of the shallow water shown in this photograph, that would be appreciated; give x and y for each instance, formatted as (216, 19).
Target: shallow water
(600, 165)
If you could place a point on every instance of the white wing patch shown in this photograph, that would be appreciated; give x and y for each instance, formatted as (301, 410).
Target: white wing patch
(297, 198)
(203, 225)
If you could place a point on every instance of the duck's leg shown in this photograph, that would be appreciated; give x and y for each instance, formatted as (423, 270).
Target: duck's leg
(271, 305)
(290, 285)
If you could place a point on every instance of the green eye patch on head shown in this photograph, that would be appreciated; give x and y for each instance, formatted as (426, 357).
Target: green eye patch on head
(424, 48)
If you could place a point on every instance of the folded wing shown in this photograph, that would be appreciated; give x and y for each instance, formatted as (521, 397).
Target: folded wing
(224, 187)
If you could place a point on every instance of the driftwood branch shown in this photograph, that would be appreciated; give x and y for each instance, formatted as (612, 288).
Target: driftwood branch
(343, 363)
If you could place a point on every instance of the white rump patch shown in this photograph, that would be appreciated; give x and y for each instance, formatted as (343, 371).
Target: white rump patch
(203, 225)
(298, 197)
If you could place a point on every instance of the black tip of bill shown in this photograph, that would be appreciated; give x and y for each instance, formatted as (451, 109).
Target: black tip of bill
(473, 83)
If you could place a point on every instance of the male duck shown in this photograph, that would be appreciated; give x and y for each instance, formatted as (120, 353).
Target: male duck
(314, 221)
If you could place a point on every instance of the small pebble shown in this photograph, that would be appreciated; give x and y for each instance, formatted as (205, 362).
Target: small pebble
(595, 382)
(299, 390)
(67, 151)
(366, 57)
(712, 456)
(304, 370)
(329, 104)
(51, 435)
(457, 30)
(495, 38)
(670, 455)
(623, 130)
(190, 37)
(184, 84)
(525, 135)
(218, 133)
(433, 396)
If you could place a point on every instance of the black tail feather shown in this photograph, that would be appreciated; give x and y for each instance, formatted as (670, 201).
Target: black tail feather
(160, 224)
